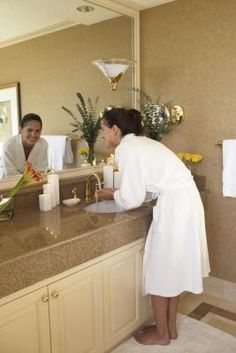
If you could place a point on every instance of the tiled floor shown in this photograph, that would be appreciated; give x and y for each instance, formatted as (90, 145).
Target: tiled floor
(216, 312)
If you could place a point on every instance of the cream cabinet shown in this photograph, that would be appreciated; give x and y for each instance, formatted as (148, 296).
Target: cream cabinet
(121, 295)
(24, 324)
(76, 312)
(90, 310)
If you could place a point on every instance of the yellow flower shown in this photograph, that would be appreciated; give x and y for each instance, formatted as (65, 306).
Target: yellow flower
(196, 158)
(83, 151)
(187, 157)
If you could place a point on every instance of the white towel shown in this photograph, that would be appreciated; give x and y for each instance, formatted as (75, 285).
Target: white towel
(59, 147)
(229, 168)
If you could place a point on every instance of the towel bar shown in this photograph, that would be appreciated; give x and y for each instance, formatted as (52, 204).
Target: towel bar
(219, 143)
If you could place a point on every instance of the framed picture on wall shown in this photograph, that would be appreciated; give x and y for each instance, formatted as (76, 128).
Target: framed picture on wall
(9, 110)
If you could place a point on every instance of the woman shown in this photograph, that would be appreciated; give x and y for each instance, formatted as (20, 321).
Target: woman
(27, 146)
(176, 255)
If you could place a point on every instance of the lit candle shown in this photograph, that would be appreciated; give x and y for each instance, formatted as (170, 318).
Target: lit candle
(117, 180)
(108, 176)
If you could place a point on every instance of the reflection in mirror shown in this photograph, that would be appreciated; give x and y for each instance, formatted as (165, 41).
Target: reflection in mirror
(51, 68)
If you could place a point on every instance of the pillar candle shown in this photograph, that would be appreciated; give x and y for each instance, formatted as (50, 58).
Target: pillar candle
(54, 179)
(108, 176)
(117, 180)
(45, 202)
(50, 190)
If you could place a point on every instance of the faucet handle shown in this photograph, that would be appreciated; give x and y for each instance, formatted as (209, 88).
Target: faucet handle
(74, 191)
(96, 193)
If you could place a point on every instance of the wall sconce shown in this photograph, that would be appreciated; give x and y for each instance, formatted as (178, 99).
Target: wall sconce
(113, 69)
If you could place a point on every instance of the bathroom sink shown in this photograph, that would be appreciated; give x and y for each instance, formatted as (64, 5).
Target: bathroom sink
(71, 202)
(108, 206)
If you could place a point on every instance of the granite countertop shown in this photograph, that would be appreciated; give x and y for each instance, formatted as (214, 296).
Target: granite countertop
(37, 245)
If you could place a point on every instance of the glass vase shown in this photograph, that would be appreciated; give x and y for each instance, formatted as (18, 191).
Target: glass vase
(6, 209)
(91, 154)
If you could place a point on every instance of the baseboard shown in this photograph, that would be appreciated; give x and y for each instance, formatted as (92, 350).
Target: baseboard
(220, 288)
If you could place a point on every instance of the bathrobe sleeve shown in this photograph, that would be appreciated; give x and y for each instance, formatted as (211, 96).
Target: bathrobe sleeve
(10, 160)
(132, 190)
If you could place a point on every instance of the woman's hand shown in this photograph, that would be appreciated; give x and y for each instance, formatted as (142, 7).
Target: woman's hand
(106, 194)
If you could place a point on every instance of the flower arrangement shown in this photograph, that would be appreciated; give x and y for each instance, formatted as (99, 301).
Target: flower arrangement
(87, 121)
(29, 176)
(156, 116)
(190, 159)
(84, 152)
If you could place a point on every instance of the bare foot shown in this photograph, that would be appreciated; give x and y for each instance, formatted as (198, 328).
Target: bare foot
(173, 334)
(152, 338)
(152, 328)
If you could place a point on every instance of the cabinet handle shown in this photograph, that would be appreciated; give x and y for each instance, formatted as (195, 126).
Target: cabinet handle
(45, 298)
(54, 294)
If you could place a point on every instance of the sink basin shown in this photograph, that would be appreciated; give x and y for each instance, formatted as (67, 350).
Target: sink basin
(108, 206)
(71, 202)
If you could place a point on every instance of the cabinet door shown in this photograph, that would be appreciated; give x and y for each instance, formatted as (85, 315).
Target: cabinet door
(76, 312)
(121, 295)
(24, 324)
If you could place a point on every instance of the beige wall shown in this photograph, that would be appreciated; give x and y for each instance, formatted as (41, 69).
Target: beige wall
(52, 68)
(188, 55)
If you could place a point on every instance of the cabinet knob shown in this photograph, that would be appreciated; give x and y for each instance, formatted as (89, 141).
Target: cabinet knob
(54, 294)
(141, 251)
(45, 298)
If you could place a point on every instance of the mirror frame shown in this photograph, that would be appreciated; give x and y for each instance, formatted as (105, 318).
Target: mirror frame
(133, 14)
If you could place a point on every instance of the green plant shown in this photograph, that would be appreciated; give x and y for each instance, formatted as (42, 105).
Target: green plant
(87, 121)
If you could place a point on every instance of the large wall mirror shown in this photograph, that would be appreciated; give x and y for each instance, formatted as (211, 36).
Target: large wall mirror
(52, 67)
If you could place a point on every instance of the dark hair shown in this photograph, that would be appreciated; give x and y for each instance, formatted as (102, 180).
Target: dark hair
(29, 117)
(128, 121)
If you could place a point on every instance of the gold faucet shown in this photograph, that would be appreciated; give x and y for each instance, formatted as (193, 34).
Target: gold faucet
(98, 186)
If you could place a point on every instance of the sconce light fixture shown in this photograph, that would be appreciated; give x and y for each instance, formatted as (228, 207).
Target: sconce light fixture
(113, 69)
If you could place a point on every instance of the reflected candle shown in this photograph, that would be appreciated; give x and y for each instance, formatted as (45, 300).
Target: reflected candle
(108, 176)
(117, 180)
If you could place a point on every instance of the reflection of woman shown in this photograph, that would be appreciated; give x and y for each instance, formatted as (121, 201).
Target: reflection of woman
(28, 145)
(175, 256)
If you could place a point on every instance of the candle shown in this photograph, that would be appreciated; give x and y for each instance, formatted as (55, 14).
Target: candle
(108, 176)
(54, 179)
(45, 202)
(50, 190)
(117, 180)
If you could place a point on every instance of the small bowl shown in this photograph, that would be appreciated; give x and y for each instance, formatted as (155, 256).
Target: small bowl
(71, 202)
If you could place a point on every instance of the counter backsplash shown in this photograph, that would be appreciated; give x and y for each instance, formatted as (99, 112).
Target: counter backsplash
(28, 197)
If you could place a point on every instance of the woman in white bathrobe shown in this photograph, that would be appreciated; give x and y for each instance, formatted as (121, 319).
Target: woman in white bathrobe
(27, 146)
(176, 255)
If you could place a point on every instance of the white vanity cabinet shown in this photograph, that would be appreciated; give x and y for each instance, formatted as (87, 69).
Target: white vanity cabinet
(24, 324)
(76, 312)
(121, 295)
(90, 310)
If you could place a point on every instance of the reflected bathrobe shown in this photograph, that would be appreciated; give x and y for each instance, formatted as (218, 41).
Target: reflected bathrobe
(14, 156)
(175, 254)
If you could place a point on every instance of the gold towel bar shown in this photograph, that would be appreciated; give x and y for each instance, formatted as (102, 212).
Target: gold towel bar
(219, 143)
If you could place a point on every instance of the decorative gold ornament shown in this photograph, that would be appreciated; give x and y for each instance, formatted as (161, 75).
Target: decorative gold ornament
(177, 114)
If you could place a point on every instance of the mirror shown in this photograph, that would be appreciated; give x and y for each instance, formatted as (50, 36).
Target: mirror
(51, 68)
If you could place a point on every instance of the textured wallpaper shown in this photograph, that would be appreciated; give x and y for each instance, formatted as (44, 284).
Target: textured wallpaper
(188, 56)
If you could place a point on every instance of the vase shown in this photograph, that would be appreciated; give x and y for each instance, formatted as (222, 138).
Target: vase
(91, 154)
(6, 209)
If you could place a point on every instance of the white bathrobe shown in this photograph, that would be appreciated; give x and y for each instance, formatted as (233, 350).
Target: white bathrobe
(175, 255)
(14, 156)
